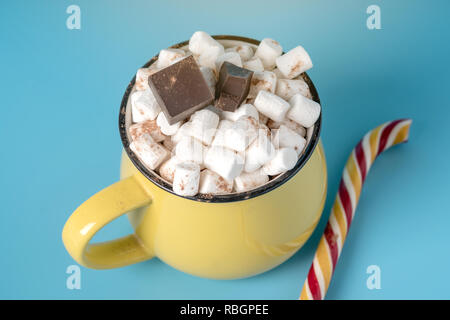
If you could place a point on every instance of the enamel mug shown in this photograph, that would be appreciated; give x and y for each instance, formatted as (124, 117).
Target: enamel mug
(224, 237)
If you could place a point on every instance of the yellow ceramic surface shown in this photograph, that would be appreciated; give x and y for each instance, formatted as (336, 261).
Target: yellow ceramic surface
(221, 240)
(213, 240)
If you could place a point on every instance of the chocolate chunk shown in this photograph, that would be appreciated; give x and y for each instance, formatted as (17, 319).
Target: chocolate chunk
(227, 102)
(232, 87)
(180, 89)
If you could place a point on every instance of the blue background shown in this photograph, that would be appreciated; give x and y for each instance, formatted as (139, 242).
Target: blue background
(61, 91)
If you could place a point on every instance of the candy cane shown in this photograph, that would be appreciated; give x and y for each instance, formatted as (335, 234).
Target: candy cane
(343, 211)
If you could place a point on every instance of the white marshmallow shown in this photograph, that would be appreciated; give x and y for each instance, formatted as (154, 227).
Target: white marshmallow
(294, 126)
(278, 73)
(144, 106)
(210, 78)
(209, 58)
(228, 115)
(268, 51)
(212, 183)
(206, 48)
(219, 138)
(201, 43)
(271, 105)
(304, 111)
(246, 109)
(186, 178)
(148, 126)
(189, 149)
(166, 128)
(168, 143)
(142, 77)
(182, 132)
(167, 169)
(248, 181)
(286, 88)
(167, 57)
(254, 64)
(265, 80)
(203, 125)
(206, 114)
(244, 50)
(259, 152)
(294, 62)
(284, 160)
(242, 133)
(151, 153)
(225, 162)
(231, 57)
(287, 138)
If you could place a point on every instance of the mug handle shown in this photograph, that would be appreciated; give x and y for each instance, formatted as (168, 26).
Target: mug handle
(103, 207)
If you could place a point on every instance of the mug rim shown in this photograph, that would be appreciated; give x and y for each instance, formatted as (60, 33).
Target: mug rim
(224, 198)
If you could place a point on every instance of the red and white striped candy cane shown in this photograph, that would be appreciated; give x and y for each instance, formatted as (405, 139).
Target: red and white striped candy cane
(343, 211)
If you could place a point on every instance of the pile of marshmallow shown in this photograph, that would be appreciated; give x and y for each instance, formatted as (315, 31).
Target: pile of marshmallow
(219, 152)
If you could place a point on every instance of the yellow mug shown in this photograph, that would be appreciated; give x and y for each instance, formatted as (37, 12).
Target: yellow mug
(224, 237)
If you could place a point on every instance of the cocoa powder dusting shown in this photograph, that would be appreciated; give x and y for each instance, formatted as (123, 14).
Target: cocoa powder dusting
(253, 121)
(260, 82)
(296, 68)
(223, 184)
(148, 126)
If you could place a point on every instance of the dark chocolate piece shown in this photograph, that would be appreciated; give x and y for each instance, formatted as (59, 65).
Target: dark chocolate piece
(180, 89)
(227, 102)
(232, 87)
